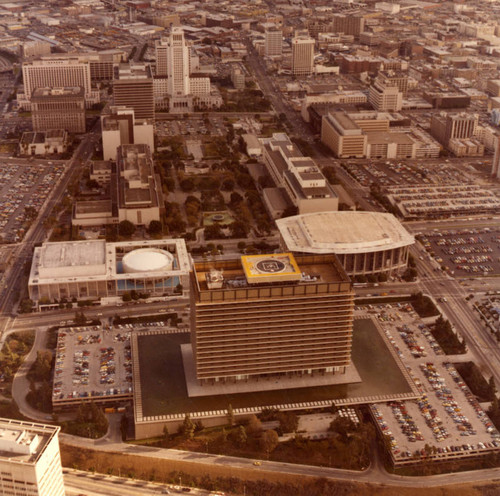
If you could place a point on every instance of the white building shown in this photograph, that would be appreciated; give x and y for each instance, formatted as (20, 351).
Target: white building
(383, 97)
(119, 127)
(30, 462)
(43, 143)
(138, 187)
(302, 55)
(177, 63)
(56, 72)
(298, 177)
(364, 242)
(96, 269)
(135, 192)
(173, 82)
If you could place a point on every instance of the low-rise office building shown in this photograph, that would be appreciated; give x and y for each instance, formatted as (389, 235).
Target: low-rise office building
(299, 177)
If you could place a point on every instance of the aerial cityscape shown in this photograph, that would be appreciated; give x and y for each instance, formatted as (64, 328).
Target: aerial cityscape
(250, 248)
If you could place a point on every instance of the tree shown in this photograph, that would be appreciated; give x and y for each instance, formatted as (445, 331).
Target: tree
(269, 441)
(343, 426)
(166, 434)
(92, 184)
(254, 425)
(289, 422)
(213, 232)
(26, 306)
(188, 427)
(492, 389)
(238, 229)
(41, 368)
(80, 318)
(223, 435)
(187, 185)
(242, 436)
(155, 227)
(410, 274)
(230, 415)
(227, 185)
(126, 297)
(126, 228)
(236, 198)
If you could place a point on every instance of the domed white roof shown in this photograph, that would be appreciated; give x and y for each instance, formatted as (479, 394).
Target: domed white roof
(343, 232)
(147, 260)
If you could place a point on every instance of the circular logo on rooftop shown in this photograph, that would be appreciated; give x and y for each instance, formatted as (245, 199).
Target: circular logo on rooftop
(270, 266)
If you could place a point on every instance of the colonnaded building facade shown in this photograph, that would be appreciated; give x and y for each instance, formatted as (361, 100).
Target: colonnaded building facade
(97, 269)
(364, 242)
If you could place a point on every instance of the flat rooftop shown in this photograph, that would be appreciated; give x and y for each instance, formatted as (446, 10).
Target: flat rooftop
(93, 207)
(343, 232)
(282, 270)
(20, 434)
(400, 138)
(164, 392)
(70, 254)
(345, 121)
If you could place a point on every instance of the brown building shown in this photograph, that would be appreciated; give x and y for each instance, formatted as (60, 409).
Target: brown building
(134, 89)
(352, 64)
(58, 108)
(270, 315)
(447, 100)
(448, 126)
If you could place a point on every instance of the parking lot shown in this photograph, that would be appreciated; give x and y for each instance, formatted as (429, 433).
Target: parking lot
(489, 308)
(24, 186)
(421, 202)
(92, 362)
(474, 251)
(446, 421)
(190, 127)
(405, 174)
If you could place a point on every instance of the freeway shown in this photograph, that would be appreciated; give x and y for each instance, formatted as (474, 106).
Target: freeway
(375, 474)
(78, 482)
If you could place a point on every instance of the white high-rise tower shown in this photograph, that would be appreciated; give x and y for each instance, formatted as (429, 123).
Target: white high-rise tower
(178, 63)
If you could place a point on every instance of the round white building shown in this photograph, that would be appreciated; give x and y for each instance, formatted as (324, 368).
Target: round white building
(147, 260)
(364, 242)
